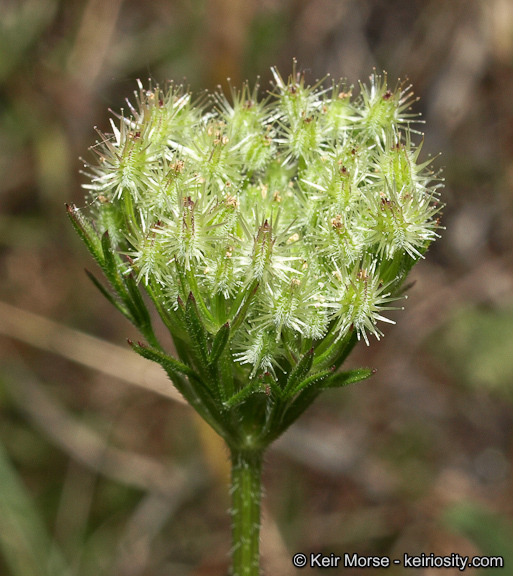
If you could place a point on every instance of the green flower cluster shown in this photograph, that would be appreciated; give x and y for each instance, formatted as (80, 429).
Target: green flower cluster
(271, 234)
(308, 202)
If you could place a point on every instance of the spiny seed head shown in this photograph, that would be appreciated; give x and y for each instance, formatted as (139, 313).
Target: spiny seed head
(309, 203)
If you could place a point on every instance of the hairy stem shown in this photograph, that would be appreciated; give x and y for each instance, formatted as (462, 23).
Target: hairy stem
(246, 493)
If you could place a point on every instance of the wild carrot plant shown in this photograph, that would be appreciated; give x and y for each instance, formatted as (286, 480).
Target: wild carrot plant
(271, 234)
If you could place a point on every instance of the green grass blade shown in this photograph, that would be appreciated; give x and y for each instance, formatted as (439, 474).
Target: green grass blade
(25, 543)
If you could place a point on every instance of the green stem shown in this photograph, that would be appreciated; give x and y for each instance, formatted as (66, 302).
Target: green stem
(246, 493)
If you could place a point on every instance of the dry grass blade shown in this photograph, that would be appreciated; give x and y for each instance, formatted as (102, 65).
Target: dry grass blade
(86, 446)
(86, 350)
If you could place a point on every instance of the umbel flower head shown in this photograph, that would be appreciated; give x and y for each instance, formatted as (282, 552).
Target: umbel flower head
(271, 232)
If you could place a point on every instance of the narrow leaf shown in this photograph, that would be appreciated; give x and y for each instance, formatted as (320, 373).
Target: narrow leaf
(299, 372)
(243, 394)
(110, 268)
(336, 352)
(189, 384)
(342, 379)
(287, 417)
(196, 329)
(243, 309)
(219, 343)
(176, 368)
(198, 334)
(86, 232)
(312, 381)
(275, 389)
(136, 298)
(108, 295)
(173, 320)
(138, 309)
(163, 359)
(108, 254)
(225, 370)
(202, 310)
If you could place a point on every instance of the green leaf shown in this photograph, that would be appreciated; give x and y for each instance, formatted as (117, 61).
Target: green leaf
(86, 232)
(137, 307)
(206, 365)
(143, 315)
(335, 353)
(203, 312)
(103, 252)
(305, 393)
(243, 394)
(110, 264)
(196, 330)
(127, 290)
(275, 388)
(299, 372)
(341, 379)
(225, 371)
(108, 295)
(193, 388)
(312, 381)
(285, 418)
(167, 362)
(110, 268)
(242, 310)
(219, 343)
(173, 319)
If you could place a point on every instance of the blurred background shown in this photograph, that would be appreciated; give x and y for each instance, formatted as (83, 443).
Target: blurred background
(102, 470)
